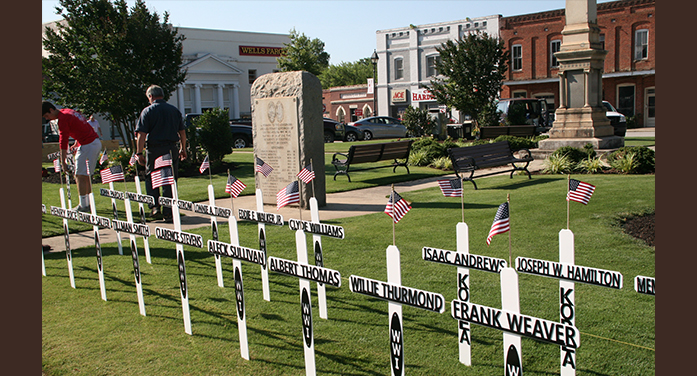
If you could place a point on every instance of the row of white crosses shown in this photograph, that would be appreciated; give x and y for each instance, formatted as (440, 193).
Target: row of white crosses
(508, 318)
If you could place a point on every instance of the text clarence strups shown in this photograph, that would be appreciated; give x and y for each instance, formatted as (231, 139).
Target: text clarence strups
(305, 271)
(532, 327)
(261, 217)
(317, 228)
(485, 263)
(399, 294)
(179, 237)
(575, 273)
(241, 253)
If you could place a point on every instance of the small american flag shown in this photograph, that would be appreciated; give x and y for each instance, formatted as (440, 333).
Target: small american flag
(234, 186)
(501, 222)
(162, 177)
(205, 165)
(288, 195)
(579, 191)
(306, 174)
(104, 157)
(57, 165)
(132, 161)
(397, 207)
(163, 161)
(451, 188)
(261, 166)
(112, 174)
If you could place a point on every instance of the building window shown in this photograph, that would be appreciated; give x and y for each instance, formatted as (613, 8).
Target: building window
(602, 41)
(431, 62)
(554, 47)
(398, 68)
(517, 57)
(252, 75)
(641, 45)
(520, 94)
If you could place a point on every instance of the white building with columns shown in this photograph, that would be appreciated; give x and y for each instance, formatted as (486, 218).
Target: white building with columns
(221, 66)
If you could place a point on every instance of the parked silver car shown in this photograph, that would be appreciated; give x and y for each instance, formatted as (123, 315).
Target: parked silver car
(380, 127)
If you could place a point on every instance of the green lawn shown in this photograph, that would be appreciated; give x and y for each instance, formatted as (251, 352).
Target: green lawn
(83, 335)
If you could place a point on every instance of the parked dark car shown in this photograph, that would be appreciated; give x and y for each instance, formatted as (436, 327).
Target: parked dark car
(241, 121)
(380, 127)
(241, 133)
(333, 130)
(525, 111)
(352, 133)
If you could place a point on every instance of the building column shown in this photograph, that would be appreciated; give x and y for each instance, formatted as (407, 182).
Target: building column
(562, 89)
(180, 98)
(220, 96)
(235, 101)
(197, 98)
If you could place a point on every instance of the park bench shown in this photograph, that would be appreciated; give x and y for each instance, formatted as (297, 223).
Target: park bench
(473, 158)
(370, 153)
(510, 130)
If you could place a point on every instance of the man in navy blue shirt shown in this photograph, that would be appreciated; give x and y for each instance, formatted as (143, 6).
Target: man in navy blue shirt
(158, 130)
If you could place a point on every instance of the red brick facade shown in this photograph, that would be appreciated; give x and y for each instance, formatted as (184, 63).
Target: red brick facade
(347, 103)
(623, 74)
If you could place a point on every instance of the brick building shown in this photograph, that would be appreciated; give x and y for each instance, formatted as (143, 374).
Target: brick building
(347, 103)
(627, 32)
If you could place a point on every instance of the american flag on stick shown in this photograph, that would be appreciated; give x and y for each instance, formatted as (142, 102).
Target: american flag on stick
(163, 161)
(132, 161)
(112, 174)
(234, 186)
(397, 207)
(501, 222)
(306, 174)
(104, 157)
(57, 165)
(162, 177)
(579, 191)
(205, 165)
(261, 166)
(451, 188)
(288, 195)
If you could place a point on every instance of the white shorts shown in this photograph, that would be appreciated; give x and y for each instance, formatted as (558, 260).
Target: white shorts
(87, 154)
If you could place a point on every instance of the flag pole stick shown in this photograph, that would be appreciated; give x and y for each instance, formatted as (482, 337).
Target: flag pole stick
(232, 205)
(394, 242)
(510, 251)
(313, 180)
(300, 198)
(568, 186)
(210, 178)
(462, 201)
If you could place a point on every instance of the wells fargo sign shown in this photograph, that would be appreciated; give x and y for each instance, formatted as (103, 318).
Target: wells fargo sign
(260, 51)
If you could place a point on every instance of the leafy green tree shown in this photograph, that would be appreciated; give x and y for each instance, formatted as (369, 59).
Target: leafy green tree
(214, 133)
(346, 74)
(417, 121)
(106, 55)
(470, 73)
(303, 54)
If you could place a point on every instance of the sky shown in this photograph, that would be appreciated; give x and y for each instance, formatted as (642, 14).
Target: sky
(347, 27)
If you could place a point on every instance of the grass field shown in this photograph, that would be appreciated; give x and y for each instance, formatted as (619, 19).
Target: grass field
(84, 335)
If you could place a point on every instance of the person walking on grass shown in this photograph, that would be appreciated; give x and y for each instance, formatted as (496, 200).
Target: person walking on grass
(86, 148)
(158, 129)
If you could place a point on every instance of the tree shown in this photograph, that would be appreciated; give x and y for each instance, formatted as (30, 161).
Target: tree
(106, 55)
(215, 134)
(417, 121)
(470, 74)
(303, 54)
(345, 74)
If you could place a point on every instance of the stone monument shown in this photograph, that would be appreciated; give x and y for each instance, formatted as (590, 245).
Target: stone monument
(289, 133)
(580, 118)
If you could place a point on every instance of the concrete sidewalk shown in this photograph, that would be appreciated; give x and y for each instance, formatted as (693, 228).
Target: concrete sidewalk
(339, 205)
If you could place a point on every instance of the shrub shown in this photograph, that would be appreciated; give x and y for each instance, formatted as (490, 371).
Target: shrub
(645, 158)
(419, 158)
(417, 121)
(558, 164)
(517, 143)
(432, 148)
(443, 163)
(121, 156)
(214, 133)
(626, 163)
(575, 155)
(591, 165)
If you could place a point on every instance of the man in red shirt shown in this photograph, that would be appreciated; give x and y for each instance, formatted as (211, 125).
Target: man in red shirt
(87, 147)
